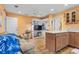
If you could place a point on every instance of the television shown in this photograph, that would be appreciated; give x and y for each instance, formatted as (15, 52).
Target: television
(37, 27)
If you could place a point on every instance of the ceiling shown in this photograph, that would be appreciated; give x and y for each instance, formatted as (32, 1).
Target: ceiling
(37, 9)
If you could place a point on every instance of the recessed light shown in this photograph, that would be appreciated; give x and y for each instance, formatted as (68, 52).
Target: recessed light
(19, 12)
(66, 4)
(52, 9)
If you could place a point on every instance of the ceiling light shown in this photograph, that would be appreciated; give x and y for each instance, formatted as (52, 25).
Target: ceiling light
(52, 9)
(19, 12)
(66, 4)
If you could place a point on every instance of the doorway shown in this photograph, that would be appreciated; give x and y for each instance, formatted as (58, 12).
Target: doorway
(11, 25)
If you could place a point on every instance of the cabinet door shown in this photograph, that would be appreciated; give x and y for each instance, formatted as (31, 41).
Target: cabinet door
(11, 25)
(67, 16)
(73, 15)
(71, 38)
(76, 41)
(77, 15)
(50, 42)
(65, 40)
(58, 43)
(61, 41)
(73, 19)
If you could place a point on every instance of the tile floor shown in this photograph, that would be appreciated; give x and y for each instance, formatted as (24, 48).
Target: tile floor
(40, 47)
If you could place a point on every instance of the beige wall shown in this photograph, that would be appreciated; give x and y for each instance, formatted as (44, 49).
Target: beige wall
(2, 14)
(24, 22)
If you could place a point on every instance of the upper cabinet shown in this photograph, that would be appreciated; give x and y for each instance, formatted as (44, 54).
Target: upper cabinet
(72, 16)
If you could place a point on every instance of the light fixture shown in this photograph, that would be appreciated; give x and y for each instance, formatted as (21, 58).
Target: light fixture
(66, 4)
(52, 9)
(19, 12)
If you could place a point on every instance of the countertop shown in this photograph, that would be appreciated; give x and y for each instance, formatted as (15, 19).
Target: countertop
(62, 31)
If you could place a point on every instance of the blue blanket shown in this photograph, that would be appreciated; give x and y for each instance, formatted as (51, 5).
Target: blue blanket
(9, 44)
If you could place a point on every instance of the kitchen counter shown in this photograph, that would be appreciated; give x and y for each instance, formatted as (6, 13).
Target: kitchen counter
(57, 40)
(62, 31)
(56, 31)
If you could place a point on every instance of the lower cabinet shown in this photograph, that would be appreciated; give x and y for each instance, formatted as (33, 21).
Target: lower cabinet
(71, 38)
(65, 40)
(76, 40)
(61, 40)
(50, 42)
(57, 41)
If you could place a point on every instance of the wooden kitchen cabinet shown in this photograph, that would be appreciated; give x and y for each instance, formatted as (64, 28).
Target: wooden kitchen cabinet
(71, 16)
(56, 41)
(61, 40)
(76, 40)
(67, 17)
(65, 39)
(50, 42)
(71, 38)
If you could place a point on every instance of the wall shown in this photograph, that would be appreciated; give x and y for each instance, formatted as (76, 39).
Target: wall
(24, 22)
(2, 14)
(49, 22)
